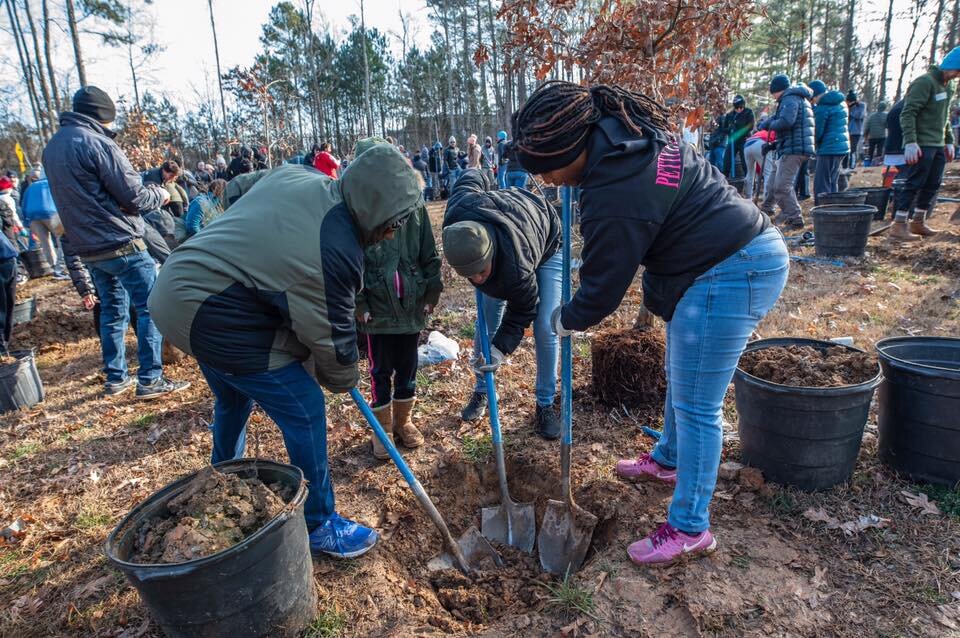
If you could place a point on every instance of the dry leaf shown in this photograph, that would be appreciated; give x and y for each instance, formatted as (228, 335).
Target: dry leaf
(921, 502)
(82, 591)
(819, 515)
(864, 522)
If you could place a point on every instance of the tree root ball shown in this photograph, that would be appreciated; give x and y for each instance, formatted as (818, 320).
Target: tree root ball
(628, 367)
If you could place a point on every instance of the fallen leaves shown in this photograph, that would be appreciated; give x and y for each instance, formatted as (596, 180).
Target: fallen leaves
(920, 502)
(849, 528)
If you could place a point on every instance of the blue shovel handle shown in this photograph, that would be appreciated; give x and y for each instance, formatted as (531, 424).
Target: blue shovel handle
(566, 351)
(488, 376)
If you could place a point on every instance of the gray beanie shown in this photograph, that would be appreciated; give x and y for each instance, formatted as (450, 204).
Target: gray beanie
(468, 247)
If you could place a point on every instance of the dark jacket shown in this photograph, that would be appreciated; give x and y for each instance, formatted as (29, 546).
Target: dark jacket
(793, 122)
(502, 159)
(526, 233)
(876, 127)
(401, 276)
(894, 143)
(235, 168)
(646, 200)
(275, 280)
(830, 115)
(79, 275)
(435, 160)
(99, 195)
(739, 125)
(451, 159)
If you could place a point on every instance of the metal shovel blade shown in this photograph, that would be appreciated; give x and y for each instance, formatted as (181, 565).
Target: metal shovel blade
(513, 524)
(473, 552)
(565, 534)
(955, 218)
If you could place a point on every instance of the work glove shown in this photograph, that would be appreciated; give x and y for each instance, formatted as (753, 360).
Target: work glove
(480, 365)
(557, 323)
(912, 153)
(949, 151)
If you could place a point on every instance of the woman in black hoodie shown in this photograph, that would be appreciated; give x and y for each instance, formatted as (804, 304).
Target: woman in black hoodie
(714, 266)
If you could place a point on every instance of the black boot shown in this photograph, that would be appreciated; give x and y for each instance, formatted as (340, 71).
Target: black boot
(547, 423)
(476, 407)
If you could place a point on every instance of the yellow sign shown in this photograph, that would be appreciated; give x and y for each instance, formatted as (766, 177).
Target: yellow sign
(19, 151)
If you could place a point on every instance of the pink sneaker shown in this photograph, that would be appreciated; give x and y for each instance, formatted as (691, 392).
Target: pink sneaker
(645, 468)
(669, 545)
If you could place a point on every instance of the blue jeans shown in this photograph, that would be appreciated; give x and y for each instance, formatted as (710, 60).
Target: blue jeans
(294, 400)
(120, 282)
(705, 339)
(517, 178)
(549, 276)
(716, 156)
(502, 176)
(452, 176)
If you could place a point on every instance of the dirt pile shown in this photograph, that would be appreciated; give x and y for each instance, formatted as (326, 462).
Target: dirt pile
(214, 512)
(806, 366)
(628, 367)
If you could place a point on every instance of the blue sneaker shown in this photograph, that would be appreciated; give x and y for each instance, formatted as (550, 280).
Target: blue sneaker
(342, 538)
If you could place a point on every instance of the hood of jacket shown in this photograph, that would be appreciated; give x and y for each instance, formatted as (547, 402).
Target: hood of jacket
(832, 98)
(70, 118)
(799, 90)
(379, 187)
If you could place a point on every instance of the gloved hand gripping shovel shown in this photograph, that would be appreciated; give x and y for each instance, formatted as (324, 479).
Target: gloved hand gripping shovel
(472, 547)
(509, 523)
(567, 528)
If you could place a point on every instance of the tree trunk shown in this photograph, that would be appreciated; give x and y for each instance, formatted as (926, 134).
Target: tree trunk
(483, 71)
(848, 44)
(366, 72)
(133, 76)
(469, 91)
(886, 52)
(906, 59)
(936, 33)
(44, 89)
(46, 55)
(216, 53)
(502, 116)
(27, 74)
(953, 36)
(75, 37)
(450, 103)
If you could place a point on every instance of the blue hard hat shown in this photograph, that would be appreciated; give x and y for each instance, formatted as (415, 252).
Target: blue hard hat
(502, 135)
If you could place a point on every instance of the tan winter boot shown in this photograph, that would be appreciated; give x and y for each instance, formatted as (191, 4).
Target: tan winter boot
(384, 418)
(899, 231)
(918, 226)
(403, 427)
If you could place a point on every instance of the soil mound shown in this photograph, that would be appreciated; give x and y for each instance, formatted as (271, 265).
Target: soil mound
(628, 367)
(806, 366)
(214, 512)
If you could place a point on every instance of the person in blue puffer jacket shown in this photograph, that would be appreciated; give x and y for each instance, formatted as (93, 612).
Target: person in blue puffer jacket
(40, 216)
(832, 140)
(793, 124)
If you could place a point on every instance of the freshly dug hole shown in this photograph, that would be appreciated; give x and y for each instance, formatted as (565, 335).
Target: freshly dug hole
(628, 367)
(214, 512)
(806, 366)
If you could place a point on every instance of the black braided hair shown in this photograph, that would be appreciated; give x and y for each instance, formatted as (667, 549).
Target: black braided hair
(559, 115)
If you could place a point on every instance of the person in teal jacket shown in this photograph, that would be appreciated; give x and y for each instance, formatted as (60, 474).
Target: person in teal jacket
(401, 287)
(204, 208)
(831, 137)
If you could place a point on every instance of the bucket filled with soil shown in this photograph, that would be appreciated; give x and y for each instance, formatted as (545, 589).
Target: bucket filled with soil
(802, 405)
(841, 230)
(919, 401)
(222, 552)
(20, 384)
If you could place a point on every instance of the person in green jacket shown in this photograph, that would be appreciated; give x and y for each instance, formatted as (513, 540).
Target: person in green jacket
(401, 287)
(876, 134)
(272, 284)
(927, 146)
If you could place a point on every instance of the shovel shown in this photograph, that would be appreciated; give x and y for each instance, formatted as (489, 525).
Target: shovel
(567, 528)
(472, 547)
(509, 523)
(955, 218)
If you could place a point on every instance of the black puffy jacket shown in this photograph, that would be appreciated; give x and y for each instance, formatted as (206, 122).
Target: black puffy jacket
(526, 232)
(793, 122)
(98, 194)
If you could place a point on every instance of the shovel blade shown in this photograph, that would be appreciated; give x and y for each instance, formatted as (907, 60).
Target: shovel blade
(515, 526)
(564, 539)
(955, 218)
(478, 551)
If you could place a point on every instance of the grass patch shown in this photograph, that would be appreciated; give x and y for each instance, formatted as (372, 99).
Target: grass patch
(13, 565)
(423, 381)
(467, 330)
(144, 420)
(477, 449)
(930, 596)
(570, 598)
(329, 624)
(24, 449)
(783, 503)
(740, 562)
(947, 500)
(89, 518)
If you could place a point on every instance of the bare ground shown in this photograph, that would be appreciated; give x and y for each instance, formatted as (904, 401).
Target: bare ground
(74, 465)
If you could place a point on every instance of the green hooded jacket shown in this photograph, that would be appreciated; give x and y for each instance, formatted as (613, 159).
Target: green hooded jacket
(925, 118)
(275, 281)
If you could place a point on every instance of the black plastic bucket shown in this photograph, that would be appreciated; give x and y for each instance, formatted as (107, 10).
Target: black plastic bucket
(20, 384)
(841, 230)
(841, 198)
(919, 402)
(24, 311)
(805, 437)
(262, 586)
(36, 265)
(878, 197)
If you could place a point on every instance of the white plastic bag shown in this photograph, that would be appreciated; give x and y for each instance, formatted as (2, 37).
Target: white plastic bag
(437, 349)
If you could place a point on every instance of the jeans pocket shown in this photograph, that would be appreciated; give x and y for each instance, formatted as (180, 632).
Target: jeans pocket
(765, 289)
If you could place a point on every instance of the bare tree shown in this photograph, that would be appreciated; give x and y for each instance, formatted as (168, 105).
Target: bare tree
(25, 68)
(46, 53)
(886, 52)
(75, 38)
(848, 44)
(366, 72)
(41, 75)
(909, 54)
(936, 32)
(216, 52)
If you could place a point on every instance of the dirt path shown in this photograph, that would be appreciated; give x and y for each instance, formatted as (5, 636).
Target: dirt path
(73, 466)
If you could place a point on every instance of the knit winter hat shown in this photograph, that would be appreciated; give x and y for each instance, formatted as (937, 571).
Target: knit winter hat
(468, 247)
(818, 88)
(94, 103)
(779, 83)
(852, 96)
(739, 101)
(951, 61)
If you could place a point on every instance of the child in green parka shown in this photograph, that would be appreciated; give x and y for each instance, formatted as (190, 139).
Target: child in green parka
(401, 287)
